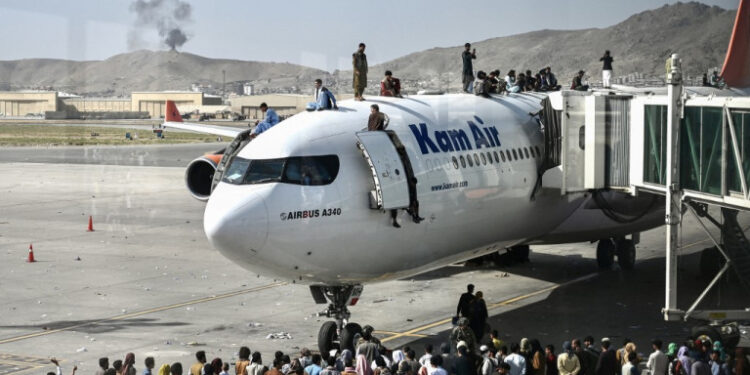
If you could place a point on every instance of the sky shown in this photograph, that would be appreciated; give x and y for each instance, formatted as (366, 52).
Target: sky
(321, 34)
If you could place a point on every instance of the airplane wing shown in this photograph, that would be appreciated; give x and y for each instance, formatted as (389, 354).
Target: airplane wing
(174, 120)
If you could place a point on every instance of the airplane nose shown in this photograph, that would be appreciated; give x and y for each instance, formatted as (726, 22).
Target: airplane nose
(236, 222)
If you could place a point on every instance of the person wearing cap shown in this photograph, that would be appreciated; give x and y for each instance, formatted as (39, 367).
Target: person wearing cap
(462, 332)
(464, 362)
(578, 83)
(607, 363)
(468, 68)
(567, 362)
(489, 364)
(657, 362)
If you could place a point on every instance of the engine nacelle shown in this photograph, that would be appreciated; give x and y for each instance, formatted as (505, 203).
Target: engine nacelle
(199, 175)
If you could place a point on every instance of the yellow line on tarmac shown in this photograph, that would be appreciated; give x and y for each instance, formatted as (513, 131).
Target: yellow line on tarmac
(397, 333)
(144, 312)
(415, 331)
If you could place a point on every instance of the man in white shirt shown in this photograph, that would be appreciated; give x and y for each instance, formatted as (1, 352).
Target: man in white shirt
(657, 362)
(516, 361)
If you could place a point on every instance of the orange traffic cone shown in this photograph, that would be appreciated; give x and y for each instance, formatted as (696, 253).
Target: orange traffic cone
(31, 254)
(91, 225)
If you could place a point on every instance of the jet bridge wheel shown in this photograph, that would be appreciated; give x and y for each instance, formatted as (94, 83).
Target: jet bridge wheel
(327, 337)
(626, 254)
(605, 253)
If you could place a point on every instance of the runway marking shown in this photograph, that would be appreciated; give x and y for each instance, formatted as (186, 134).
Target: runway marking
(399, 333)
(144, 312)
(14, 364)
(495, 305)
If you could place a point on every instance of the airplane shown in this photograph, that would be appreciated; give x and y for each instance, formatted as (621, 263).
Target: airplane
(309, 200)
(313, 199)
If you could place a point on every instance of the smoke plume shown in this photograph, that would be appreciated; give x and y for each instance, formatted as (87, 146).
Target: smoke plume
(167, 17)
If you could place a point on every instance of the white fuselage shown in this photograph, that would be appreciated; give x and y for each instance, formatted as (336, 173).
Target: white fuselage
(328, 234)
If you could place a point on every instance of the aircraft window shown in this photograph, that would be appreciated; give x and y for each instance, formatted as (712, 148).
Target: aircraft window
(507, 153)
(305, 170)
(463, 162)
(502, 155)
(455, 162)
(476, 159)
(471, 162)
(537, 151)
(484, 159)
(236, 170)
(526, 151)
(489, 157)
(497, 158)
(515, 155)
(264, 171)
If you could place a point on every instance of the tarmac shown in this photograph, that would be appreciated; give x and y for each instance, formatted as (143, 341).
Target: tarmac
(147, 281)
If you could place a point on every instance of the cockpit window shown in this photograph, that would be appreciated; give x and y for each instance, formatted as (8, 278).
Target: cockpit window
(236, 170)
(299, 170)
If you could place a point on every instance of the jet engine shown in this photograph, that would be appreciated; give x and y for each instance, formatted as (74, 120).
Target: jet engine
(200, 173)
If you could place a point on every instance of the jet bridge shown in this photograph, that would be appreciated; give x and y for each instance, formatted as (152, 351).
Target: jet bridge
(689, 146)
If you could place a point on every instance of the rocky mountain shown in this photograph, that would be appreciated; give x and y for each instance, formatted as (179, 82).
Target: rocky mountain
(640, 44)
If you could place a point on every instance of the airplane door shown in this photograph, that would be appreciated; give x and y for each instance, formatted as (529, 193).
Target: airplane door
(388, 172)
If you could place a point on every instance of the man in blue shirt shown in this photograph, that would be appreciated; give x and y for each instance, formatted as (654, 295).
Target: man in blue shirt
(270, 120)
(314, 368)
(324, 98)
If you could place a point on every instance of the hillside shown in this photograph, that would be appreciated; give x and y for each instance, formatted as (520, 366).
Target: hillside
(147, 71)
(641, 43)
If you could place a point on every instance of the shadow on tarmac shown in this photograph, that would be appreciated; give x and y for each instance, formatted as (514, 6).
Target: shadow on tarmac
(615, 304)
(96, 325)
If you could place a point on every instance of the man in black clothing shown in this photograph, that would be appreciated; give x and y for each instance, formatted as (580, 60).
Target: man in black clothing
(607, 363)
(578, 82)
(464, 303)
(468, 70)
(464, 363)
(606, 69)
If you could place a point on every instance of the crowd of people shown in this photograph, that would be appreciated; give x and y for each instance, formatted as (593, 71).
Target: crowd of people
(467, 352)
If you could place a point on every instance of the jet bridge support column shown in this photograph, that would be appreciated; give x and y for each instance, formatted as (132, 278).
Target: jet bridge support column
(673, 191)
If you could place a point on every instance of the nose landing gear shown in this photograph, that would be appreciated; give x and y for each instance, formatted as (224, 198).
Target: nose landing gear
(339, 334)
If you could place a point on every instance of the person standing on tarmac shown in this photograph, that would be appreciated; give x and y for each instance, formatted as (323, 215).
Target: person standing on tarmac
(607, 363)
(478, 316)
(464, 303)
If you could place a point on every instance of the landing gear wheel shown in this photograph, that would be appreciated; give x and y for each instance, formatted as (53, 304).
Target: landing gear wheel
(350, 332)
(711, 262)
(605, 253)
(626, 254)
(326, 337)
(706, 333)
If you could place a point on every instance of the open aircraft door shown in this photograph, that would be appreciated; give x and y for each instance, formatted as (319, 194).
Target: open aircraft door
(388, 171)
